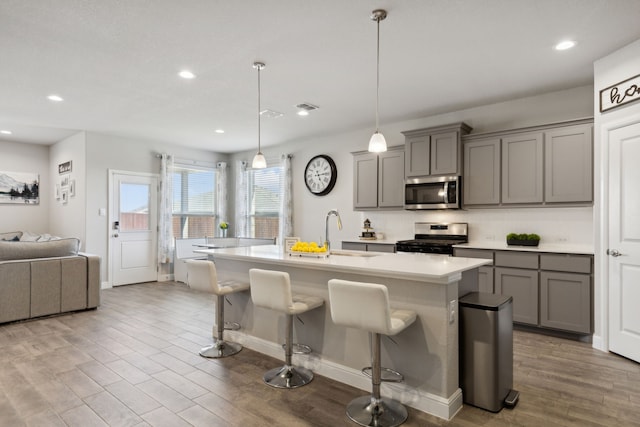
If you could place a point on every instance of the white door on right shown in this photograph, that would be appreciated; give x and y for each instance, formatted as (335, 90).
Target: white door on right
(624, 240)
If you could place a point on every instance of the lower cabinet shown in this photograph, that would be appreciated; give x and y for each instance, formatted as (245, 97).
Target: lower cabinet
(485, 279)
(549, 290)
(522, 285)
(565, 301)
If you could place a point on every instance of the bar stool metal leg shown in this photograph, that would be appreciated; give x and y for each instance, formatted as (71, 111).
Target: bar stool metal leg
(288, 376)
(220, 347)
(375, 410)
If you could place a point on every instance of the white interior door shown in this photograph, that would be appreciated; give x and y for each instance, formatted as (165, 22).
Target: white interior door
(134, 228)
(624, 240)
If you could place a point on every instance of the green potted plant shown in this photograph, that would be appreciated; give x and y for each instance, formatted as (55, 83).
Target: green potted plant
(523, 239)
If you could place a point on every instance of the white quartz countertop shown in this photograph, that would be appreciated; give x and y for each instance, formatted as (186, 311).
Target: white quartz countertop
(561, 248)
(412, 266)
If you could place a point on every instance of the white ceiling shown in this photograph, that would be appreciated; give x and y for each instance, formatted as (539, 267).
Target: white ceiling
(115, 63)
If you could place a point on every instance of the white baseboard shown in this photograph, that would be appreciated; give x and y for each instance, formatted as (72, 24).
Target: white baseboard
(598, 343)
(106, 285)
(421, 400)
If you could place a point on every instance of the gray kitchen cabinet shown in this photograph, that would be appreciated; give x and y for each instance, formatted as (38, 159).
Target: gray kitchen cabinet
(565, 301)
(522, 168)
(547, 165)
(569, 164)
(522, 285)
(485, 279)
(549, 290)
(435, 150)
(369, 247)
(417, 155)
(391, 179)
(378, 179)
(365, 194)
(481, 177)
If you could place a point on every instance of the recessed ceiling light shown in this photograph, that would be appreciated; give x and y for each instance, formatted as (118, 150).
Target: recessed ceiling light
(55, 98)
(219, 130)
(564, 45)
(303, 113)
(186, 74)
(6, 132)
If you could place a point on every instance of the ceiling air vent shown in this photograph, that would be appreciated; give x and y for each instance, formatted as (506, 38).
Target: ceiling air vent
(270, 114)
(307, 107)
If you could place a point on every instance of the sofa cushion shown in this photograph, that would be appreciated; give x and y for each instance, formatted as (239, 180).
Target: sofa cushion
(11, 236)
(29, 250)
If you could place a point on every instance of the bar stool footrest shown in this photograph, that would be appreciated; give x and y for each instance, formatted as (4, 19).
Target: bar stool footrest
(386, 375)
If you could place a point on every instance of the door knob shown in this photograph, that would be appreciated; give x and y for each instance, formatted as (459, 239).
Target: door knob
(115, 235)
(613, 252)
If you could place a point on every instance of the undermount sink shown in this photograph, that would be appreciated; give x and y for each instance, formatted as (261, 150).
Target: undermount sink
(361, 254)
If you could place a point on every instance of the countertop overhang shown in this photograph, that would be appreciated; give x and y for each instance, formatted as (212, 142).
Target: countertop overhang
(411, 266)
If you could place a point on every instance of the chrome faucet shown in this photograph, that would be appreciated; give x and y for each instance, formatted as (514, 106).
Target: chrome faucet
(326, 227)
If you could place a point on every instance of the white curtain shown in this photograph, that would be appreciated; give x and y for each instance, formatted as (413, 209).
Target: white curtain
(165, 238)
(286, 203)
(221, 192)
(242, 203)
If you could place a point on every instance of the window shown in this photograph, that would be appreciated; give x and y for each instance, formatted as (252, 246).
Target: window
(194, 201)
(264, 197)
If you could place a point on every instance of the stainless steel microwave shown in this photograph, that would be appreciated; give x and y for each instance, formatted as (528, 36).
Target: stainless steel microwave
(432, 192)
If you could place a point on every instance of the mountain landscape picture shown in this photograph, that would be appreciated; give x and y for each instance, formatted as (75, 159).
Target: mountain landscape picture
(19, 188)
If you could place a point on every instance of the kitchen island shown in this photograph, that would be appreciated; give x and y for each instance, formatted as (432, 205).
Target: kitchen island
(426, 353)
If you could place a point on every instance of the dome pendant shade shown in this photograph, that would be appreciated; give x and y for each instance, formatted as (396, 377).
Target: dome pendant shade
(259, 162)
(377, 143)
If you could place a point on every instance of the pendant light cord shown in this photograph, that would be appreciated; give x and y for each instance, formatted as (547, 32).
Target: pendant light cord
(259, 67)
(377, 73)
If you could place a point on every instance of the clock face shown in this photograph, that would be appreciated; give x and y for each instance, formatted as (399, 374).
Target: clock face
(320, 175)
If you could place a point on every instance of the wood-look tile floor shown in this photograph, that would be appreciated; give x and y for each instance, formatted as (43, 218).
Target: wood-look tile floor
(134, 362)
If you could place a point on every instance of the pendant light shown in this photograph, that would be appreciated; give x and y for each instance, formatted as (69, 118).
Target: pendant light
(259, 162)
(377, 143)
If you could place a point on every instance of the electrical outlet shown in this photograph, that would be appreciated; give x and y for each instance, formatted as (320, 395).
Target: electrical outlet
(452, 311)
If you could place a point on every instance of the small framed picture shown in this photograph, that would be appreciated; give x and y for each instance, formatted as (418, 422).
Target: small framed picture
(64, 182)
(72, 188)
(57, 192)
(64, 196)
(289, 242)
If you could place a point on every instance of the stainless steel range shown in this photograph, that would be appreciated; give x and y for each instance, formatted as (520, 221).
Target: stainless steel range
(435, 238)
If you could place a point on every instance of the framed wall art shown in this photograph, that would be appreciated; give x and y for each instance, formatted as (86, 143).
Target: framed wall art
(19, 188)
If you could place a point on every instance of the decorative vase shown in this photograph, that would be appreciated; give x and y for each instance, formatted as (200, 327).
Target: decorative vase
(223, 232)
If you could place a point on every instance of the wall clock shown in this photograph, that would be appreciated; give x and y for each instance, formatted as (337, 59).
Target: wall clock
(320, 175)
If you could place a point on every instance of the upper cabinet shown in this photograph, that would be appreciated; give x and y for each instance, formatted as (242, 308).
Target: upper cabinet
(378, 179)
(569, 164)
(542, 165)
(435, 150)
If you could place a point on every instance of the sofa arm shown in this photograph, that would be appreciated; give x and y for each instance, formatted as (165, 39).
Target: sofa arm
(93, 279)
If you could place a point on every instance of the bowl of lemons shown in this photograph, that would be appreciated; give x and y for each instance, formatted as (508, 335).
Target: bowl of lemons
(309, 249)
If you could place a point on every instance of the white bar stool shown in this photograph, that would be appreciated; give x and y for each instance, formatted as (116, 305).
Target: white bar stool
(366, 306)
(202, 276)
(272, 289)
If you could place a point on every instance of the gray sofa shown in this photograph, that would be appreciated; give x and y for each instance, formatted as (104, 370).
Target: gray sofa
(41, 278)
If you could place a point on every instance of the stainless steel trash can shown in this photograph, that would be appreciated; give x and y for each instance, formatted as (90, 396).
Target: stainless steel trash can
(486, 350)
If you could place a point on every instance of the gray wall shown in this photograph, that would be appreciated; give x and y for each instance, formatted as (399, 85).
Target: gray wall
(21, 157)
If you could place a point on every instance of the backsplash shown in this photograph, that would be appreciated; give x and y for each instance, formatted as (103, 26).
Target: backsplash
(554, 225)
